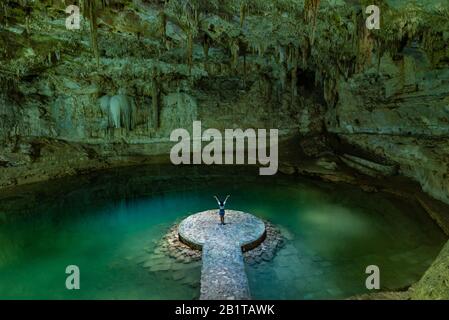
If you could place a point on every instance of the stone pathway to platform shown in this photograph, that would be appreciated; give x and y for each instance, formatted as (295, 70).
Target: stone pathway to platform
(223, 270)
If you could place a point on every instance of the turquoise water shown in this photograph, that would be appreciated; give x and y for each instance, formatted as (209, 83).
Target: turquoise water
(107, 223)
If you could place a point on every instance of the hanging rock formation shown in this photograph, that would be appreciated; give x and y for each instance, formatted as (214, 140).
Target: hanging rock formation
(302, 66)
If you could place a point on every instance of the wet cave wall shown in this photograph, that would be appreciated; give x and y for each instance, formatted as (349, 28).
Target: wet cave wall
(64, 111)
(110, 93)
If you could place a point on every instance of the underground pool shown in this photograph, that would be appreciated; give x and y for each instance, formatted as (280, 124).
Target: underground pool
(108, 223)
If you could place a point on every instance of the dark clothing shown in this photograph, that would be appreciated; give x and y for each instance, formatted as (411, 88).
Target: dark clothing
(221, 206)
(222, 211)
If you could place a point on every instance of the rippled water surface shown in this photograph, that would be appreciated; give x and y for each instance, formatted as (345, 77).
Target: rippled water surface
(107, 224)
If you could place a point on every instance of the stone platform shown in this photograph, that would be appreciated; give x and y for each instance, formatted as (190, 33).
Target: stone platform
(223, 270)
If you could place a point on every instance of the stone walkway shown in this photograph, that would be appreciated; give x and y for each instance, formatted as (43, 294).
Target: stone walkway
(223, 270)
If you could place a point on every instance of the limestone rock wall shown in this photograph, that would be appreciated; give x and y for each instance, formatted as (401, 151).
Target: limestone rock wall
(57, 101)
(433, 285)
(399, 110)
(396, 107)
(138, 69)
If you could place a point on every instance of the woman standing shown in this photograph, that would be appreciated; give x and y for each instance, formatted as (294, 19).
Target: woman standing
(221, 206)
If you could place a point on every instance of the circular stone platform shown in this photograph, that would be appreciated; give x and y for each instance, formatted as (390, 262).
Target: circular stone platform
(244, 229)
(223, 274)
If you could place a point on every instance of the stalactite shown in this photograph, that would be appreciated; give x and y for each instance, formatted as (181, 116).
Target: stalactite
(114, 109)
(378, 48)
(243, 9)
(244, 70)
(268, 88)
(206, 50)
(283, 77)
(163, 26)
(28, 11)
(362, 44)
(294, 61)
(281, 52)
(190, 49)
(154, 99)
(234, 52)
(5, 13)
(196, 16)
(104, 3)
(311, 8)
(289, 56)
(330, 91)
(305, 50)
(256, 47)
(90, 11)
(127, 112)
(206, 45)
(133, 116)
